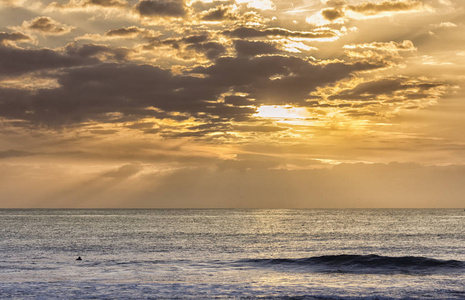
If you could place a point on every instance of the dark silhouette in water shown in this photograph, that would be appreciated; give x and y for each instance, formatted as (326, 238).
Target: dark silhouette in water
(79, 258)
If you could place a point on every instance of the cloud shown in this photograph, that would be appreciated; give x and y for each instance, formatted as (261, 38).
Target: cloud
(390, 88)
(369, 8)
(98, 91)
(445, 25)
(14, 153)
(76, 4)
(385, 46)
(47, 26)
(129, 31)
(249, 32)
(332, 14)
(105, 3)
(7, 2)
(253, 48)
(340, 12)
(195, 39)
(102, 52)
(219, 13)
(334, 3)
(193, 47)
(277, 79)
(238, 100)
(134, 34)
(161, 8)
(7, 38)
(212, 50)
(15, 62)
(226, 11)
(390, 53)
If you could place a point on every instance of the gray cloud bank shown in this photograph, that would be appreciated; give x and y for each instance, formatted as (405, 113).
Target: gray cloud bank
(163, 8)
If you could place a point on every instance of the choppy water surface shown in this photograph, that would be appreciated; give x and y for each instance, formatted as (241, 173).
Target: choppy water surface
(302, 254)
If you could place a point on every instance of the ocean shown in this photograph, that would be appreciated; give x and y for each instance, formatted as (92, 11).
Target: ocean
(231, 253)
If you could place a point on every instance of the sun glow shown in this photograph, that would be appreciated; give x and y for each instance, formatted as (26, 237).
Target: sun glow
(283, 112)
(258, 4)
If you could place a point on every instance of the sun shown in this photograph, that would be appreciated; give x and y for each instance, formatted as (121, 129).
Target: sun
(283, 112)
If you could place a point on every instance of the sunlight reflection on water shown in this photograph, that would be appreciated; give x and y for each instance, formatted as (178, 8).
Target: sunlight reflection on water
(223, 253)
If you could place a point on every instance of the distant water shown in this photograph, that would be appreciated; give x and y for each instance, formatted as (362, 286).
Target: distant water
(285, 254)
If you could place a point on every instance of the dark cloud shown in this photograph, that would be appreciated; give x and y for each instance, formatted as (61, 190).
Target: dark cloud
(93, 92)
(15, 61)
(335, 3)
(201, 6)
(390, 86)
(237, 100)
(128, 31)
(196, 43)
(249, 32)
(226, 113)
(142, 126)
(47, 25)
(14, 37)
(106, 3)
(332, 14)
(219, 13)
(212, 50)
(385, 6)
(277, 79)
(156, 42)
(212, 127)
(14, 104)
(358, 113)
(161, 8)
(338, 9)
(93, 50)
(253, 48)
(100, 91)
(90, 3)
(195, 39)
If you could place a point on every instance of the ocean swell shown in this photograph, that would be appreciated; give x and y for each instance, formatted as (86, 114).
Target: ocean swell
(372, 263)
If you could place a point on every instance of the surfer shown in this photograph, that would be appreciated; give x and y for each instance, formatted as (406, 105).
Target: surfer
(79, 258)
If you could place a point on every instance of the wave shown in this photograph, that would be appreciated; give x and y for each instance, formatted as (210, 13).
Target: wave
(371, 263)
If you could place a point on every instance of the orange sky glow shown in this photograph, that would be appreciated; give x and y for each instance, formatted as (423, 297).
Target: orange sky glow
(232, 103)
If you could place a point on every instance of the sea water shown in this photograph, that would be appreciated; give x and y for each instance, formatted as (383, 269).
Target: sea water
(221, 253)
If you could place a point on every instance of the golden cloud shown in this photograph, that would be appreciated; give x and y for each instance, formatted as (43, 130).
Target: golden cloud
(47, 26)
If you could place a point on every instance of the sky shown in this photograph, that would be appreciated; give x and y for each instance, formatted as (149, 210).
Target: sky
(232, 104)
